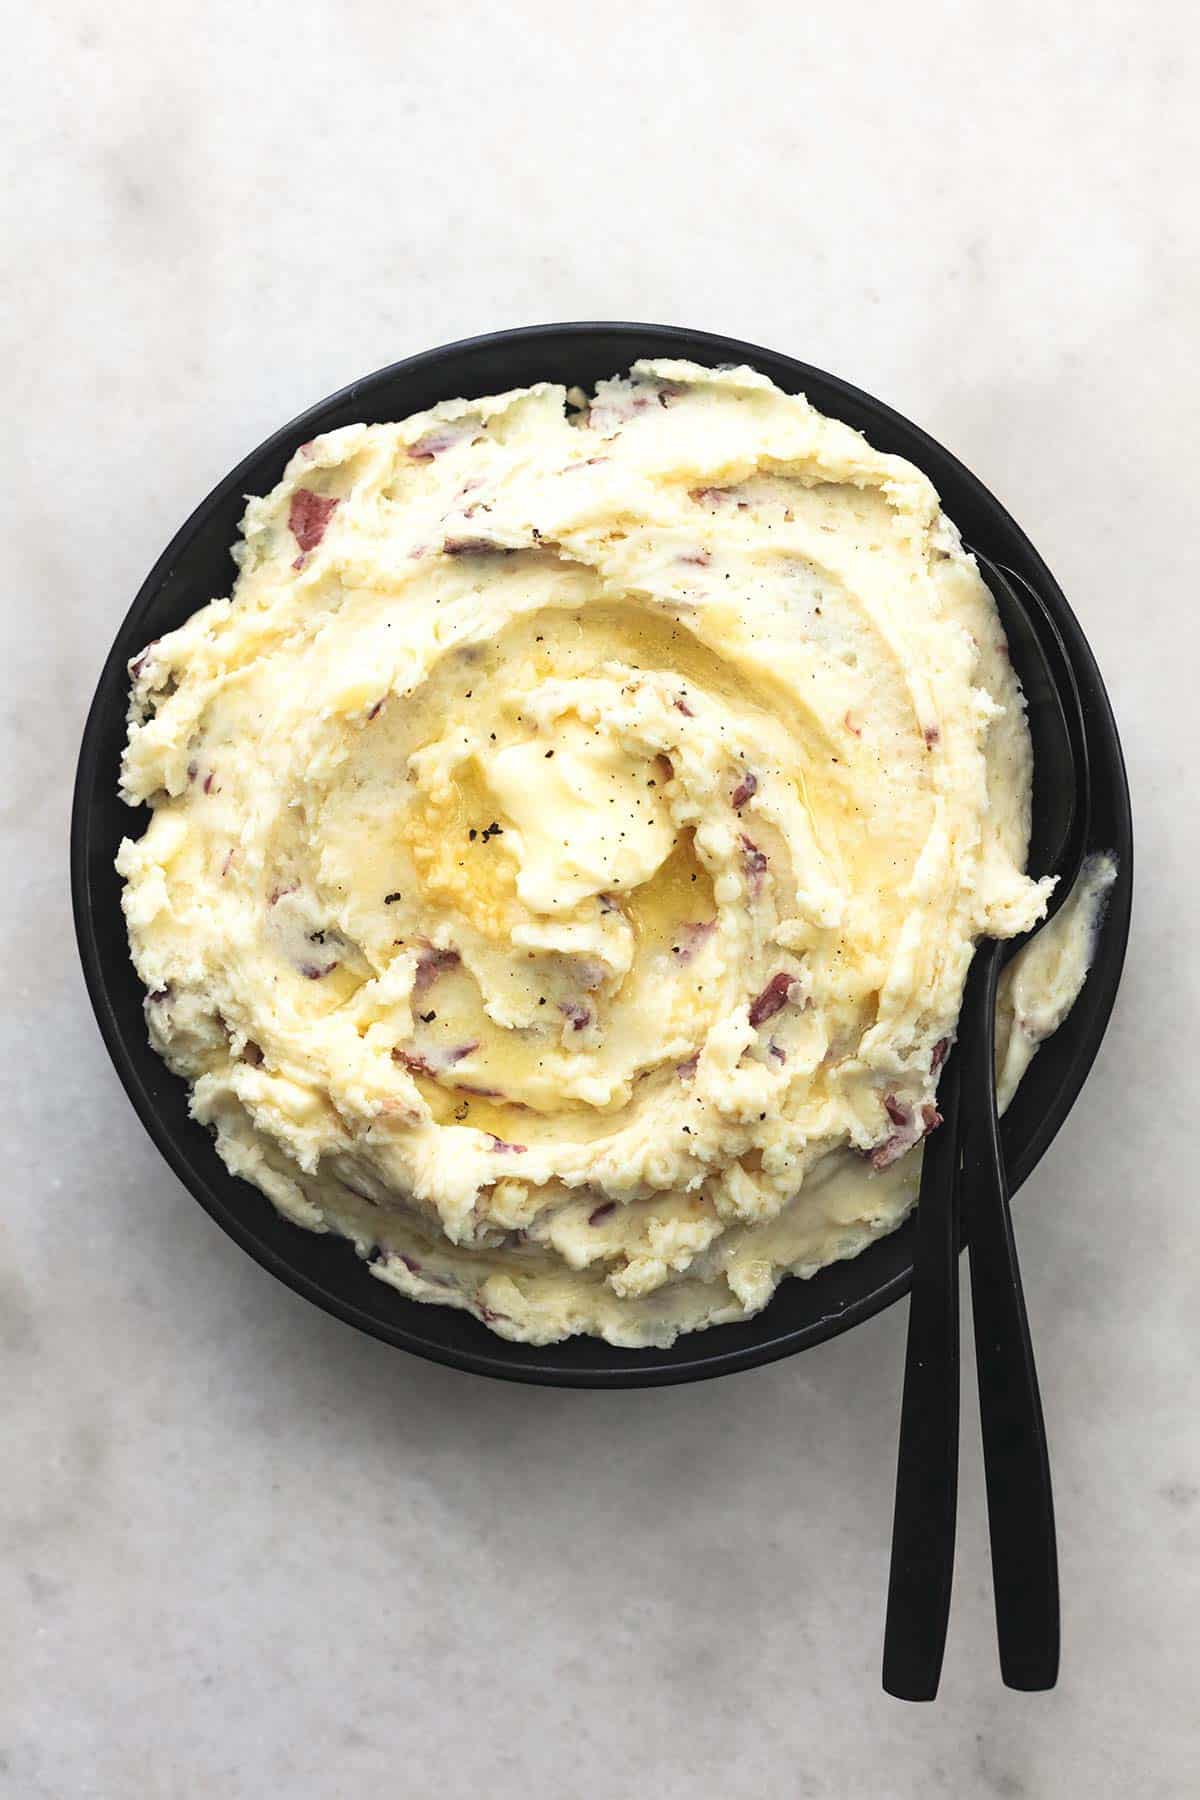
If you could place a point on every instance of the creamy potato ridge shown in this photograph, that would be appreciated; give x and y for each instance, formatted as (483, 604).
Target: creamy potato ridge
(568, 843)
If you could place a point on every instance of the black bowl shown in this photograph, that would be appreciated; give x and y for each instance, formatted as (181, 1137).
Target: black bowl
(196, 565)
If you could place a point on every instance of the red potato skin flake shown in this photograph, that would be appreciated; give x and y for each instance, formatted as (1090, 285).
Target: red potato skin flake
(576, 1013)
(664, 768)
(686, 1069)
(939, 1055)
(602, 1212)
(317, 971)
(754, 861)
(439, 439)
(773, 998)
(932, 736)
(693, 936)
(416, 1065)
(430, 964)
(891, 1148)
(474, 546)
(308, 516)
(410, 1263)
(682, 706)
(907, 1134)
(139, 662)
(745, 790)
(502, 1148)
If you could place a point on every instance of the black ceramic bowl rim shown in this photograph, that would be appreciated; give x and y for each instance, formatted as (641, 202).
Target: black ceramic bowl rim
(326, 1269)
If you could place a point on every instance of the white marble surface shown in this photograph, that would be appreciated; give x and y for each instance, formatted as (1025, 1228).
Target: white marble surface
(247, 1552)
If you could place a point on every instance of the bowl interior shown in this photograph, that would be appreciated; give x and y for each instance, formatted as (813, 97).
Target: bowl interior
(196, 566)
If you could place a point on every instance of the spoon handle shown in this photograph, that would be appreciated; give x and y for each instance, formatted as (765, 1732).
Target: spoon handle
(923, 1528)
(1016, 1461)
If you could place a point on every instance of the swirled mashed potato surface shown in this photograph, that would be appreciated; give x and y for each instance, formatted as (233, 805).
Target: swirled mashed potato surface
(568, 843)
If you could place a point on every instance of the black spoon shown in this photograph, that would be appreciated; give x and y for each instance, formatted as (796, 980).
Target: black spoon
(1020, 1501)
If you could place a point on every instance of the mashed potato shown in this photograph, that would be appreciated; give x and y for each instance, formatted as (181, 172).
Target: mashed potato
(568, 843)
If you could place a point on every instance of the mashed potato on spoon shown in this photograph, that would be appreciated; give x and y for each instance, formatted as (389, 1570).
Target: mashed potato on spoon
(568, 843)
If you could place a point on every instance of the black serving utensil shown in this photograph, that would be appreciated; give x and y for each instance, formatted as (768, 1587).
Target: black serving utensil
(1016, 1461)
(1020, 1502)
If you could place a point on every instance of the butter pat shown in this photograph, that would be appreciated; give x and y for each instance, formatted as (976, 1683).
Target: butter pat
(588, 818)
